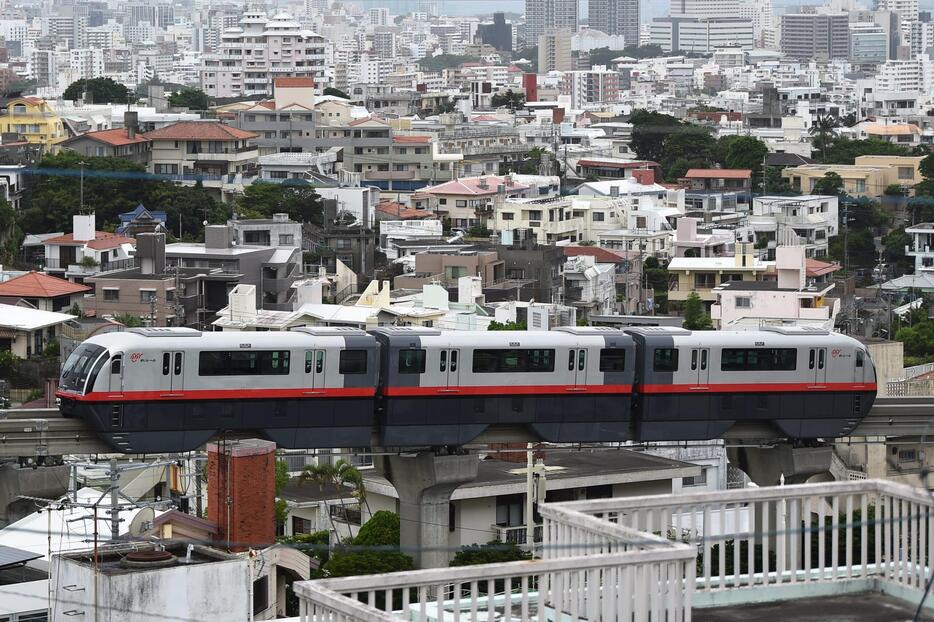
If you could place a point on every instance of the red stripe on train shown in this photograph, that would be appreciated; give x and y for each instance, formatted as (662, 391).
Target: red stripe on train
(774, 387)
(217, 394)
(559, 389)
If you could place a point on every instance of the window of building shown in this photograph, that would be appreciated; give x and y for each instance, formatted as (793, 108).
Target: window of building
(112, 295)
(300, 525)
(509, 510)
(860, 185)
(461, 203)
(513, 361)
(352, 362)
(612, 359)
(508, 216)
(743, 302)
(169, 295)
(598, 216)
(665, 359)
(260, 595)
(705, 280)
(906, 172)
(695, 480)
(286, 239)
(908, 455)
(146, 296)
(244, 363)
(758, 359)
(278, 174)
(412, 361)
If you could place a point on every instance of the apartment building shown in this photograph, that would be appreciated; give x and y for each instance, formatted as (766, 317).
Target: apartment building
(35, 120)
(922, 246)
(701, 35)
(85, 251)
(807, 221)
(869, 176)
(817, 36)
(259, 50)
(702, 275)
(471, 201)
(446, 266)
(287, 121)
(595, 86)
(542, 16)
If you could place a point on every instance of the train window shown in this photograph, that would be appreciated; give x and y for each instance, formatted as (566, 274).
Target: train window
(444, 359)
(178, 363)
(665, 359)
(570, 360)
(453, 360)
(115, 363)
(693, 360)
(758, 359)
(309, 360)
(518, 361)
(820, 358)
(352, 362)
(319, 361)
(166, 363)
(580, 360)
(703, 359)
(244, 363)
(811, 359)
(411, 361)
(859, 358)
(612, 359)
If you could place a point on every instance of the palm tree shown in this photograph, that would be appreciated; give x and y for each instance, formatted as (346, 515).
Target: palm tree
(823, 131)
(337, 476)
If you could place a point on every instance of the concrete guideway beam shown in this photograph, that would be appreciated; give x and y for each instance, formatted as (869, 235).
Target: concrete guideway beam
(48, 482)
(766, 465)
(425, 482)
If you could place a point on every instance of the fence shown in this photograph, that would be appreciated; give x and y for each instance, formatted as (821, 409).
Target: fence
(653, 557)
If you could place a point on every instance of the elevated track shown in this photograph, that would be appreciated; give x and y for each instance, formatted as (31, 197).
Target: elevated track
(37, 433)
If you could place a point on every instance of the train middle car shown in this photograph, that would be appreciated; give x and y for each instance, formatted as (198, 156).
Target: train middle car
(446, 388)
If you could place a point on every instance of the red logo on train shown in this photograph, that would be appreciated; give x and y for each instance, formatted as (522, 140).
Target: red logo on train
(136, 356)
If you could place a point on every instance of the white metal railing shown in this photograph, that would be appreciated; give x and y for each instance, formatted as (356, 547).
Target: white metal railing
(653, 557)
(590, 569)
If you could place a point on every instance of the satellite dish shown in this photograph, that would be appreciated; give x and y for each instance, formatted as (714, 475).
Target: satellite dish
(142, 522)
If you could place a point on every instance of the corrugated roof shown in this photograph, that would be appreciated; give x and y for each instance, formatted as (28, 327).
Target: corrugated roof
(38, 285)
(199, 130)
(718, 173)
(293, 82)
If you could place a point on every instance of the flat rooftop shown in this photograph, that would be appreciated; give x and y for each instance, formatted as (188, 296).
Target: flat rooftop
(843, 608)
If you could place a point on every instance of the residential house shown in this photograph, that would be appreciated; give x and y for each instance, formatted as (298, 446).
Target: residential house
(86, 251)
(689, 242)
(26, 332)
(314, 168)
(807, 220)
(205, 151)
(533, 271)
(285, 123)
(628, 274)
(904, 134)
(789, 299)
(922, 246)
(701, 275)
(721, 180)
(35, 120)
(590, 286)
(868, 176)
(279, 230)
(126, 142)
(615, 168)
(471, 201)
(394, 210)
(650, 231)
(43, 292)
(141, 220)
(446, 267)
(392, 232)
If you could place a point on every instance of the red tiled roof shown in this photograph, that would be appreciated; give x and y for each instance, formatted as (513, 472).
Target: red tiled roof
(401, 212)
(38, 285)
(198, 130)
(117, 137)
(421, 140)
(600, 255)
(294, 82)
(471, 186)
(606, 164)
(816, 267)
(101, 241)
(366, 119)
(718, 173)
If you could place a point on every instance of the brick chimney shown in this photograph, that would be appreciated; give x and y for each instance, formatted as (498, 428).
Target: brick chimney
(241, 493)
(644, 176)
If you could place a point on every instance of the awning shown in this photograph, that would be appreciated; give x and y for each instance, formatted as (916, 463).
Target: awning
(10, 556)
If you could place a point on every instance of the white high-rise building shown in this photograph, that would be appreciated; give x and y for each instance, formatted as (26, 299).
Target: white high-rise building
(259, 50)
(378, 16)
(904, 75)
(616, 17)
(87, 63)
(907, 9)
(542, 16)
(706, 8)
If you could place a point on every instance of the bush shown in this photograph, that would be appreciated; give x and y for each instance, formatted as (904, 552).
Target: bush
(489, 553)
(374, 550)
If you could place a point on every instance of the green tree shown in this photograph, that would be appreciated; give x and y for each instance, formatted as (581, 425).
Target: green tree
(687, 142)
(823, 132)
(894, 243)
(493, 552)
(336, 92)
(282, 478)
(746, 152)
(830, 183)
(927, 167)
(445, 61)
(186, 208)
(99, 91)
(774, 182)
(298, 200)
(193, 99)
(650, 129)
(694, 316)
(374, 550)
(130, 321)
(513, 100)
(494, 325)
(677, 169)
(845, 151)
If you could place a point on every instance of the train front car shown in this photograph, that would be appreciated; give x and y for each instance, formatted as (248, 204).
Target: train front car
(567, 385)
(805, 383)
(172, 389)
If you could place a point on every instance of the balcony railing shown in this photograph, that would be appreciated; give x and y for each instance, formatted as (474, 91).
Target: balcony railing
(516, 535)
(656, 557)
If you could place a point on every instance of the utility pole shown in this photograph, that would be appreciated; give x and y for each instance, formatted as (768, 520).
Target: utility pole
(81, 163)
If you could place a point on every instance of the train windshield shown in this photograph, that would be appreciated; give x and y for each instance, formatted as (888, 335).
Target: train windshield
(78, 366)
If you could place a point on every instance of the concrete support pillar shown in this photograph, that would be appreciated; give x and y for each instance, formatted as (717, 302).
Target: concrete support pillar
(48, 482)
(425, 483)
(241, 493)
(765, 466)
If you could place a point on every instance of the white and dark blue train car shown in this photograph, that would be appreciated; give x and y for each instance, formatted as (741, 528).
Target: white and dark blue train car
(172, 389)
(808, 383)
(447, 388)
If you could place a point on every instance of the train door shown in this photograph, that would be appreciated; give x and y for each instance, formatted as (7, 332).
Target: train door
(173, 371)
(116, 373)
(817, 363)
(700, 363)
(580, 372)
(314, 368)
(859, 367)
(450, 367)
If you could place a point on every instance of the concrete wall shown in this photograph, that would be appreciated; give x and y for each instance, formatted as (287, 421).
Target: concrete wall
(889, 360)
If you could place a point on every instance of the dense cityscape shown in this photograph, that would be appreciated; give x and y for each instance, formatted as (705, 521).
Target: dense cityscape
(536, 309)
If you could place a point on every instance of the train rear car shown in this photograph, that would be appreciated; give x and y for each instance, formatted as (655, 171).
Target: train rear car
(805, 383)
(172, 389)
(567, 385)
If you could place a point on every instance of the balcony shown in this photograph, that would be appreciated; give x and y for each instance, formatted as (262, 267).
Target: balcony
(516, 535)
(389, 175)
(602, 559)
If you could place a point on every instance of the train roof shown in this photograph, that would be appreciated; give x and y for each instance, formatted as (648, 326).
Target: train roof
(184, 338)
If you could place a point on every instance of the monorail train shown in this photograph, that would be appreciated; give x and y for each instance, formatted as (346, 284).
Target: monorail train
(172, 389)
